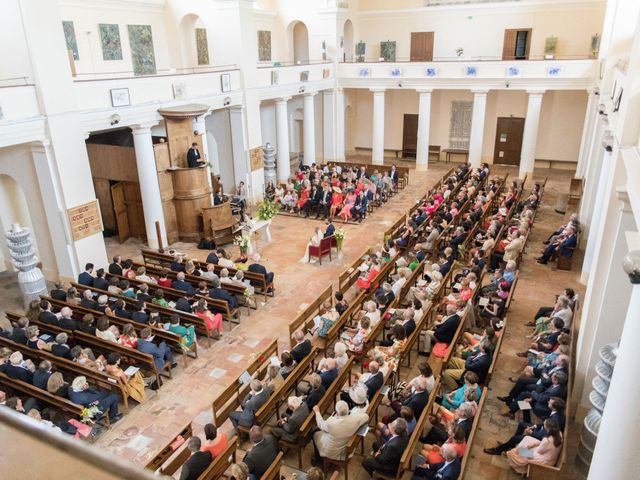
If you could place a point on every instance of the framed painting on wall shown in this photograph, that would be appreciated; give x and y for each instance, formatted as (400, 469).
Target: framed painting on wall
(225, 82)
(120, 97)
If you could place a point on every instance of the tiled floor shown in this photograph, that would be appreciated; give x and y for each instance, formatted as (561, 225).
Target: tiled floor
(189, 394)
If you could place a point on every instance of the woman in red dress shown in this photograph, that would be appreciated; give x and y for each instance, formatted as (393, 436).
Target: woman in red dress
(336, 202)
(304, 196)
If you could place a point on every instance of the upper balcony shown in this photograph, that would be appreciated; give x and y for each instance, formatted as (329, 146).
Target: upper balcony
(463, 73)
(278, 79)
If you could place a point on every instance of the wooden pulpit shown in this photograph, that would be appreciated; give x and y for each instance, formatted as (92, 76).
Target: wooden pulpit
(219, 223)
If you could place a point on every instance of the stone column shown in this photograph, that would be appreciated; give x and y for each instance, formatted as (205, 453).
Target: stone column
(282, 137)
(616, 452)
(241, 167)
(477, 126)
(377, 140)
(309, 128)
(424, 124)
(329, 123)
(149, 187)
(200, 126)
(530, 135)
(590, 118)
(340, 120)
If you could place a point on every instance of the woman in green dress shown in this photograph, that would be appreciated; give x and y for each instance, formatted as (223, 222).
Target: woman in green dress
(187, 334)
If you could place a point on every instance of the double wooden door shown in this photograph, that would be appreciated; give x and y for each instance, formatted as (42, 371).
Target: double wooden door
(509, 131)
(410, 135)
(421, 46)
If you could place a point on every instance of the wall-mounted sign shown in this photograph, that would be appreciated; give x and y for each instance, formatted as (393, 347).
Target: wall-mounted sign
(85, 220)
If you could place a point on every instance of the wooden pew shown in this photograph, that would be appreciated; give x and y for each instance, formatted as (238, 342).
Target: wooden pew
(472, 434)
(166, 452)
(257, 280)
(273, 472)
(349, 276)
(333, 334)
(222, 462)
(101, 379)
(304, 320)
(229, 399)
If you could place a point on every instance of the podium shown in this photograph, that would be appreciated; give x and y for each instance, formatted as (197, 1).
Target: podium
(191, 194)
(219, 223)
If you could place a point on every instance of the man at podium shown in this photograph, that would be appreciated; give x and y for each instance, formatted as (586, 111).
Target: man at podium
(193, 156)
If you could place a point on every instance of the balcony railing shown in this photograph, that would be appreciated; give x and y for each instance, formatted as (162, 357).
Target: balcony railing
(89, 76)
(18, 102)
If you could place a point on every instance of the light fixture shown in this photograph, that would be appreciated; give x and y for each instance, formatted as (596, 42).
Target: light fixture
(602, 109)
(115, 119)
(607, 141)
(196, 133)
(227, 101)
(301, 90)
(631, 266)
(596, 91)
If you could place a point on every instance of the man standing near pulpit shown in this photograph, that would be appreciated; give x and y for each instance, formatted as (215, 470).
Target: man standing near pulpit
(193, 156)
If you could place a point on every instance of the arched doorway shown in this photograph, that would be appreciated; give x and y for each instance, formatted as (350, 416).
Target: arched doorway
(347, 48)
(193, 41)
(299, 42)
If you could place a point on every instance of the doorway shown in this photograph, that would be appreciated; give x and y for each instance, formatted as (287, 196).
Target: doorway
(120, 210)
(410, 135)
(421, 47)
(509, 131)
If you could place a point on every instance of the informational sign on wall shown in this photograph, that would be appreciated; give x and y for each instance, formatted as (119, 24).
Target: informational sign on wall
(85, 220)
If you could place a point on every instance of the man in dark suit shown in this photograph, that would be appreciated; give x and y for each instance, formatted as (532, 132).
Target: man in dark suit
(556, 406)
(387, 457)
(60, 347)
(302, 347)
(539, 400)
(193, 156)
(59, 293)
(220, 293)
(87, 300)
(120, 309)
(85, 278)
(184, 304)
(444, 330)
(317, 391)
(81, 394)
(42, 374)
(18, 334)
(324, 200)
(212, 258)
(480, 361)
(447, 470)
(115, 268)
(100, 282)
(563, 246)
(262, 454)
(329, 373)
(250, 405)
(438, 433)
(540, 381)
(257, 268)
(140, 315)
(66, 320)
(198, 461)
(159, 352)
(417, 400)
(143, 293)
(177, 265)
(46, 315)
(330, 229)
(181, 284)
(16, 368)
(375, 380)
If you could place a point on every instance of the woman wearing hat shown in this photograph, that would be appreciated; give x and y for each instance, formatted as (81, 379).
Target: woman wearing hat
(289, 425)
(336, 201)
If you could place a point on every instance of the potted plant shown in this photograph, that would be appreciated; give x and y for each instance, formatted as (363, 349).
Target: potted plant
(339, 234)
(550, 44)
(595, 45)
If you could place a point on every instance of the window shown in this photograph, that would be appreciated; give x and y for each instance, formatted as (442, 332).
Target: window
(516, 44)
(521, 44)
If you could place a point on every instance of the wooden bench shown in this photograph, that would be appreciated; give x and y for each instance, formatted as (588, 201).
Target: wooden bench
(350, 275)
(72, 369)
(564, 262)
(159, 459)
(273, 472)
(257, 280)
(333, 334)
(222, 462)
(304, 320)
(472, 434)
(229, 399)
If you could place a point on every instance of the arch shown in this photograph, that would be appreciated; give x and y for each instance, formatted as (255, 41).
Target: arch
(13, 209)
(299, 41)
(347, 47)
(188, 43)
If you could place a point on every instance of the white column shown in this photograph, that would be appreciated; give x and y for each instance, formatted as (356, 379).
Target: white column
(477, 126)
(149, 187)
(590, 117)
(282, 137)
(377, 140)
(340, 124)
(329, 123)
(309, 128)
(200, 126)
(241, 167)
(592, 174)
(424, 124)
(616, 451)
(530, 135)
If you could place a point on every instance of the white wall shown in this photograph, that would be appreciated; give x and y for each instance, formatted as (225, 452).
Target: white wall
(14, 55)
(220, 151)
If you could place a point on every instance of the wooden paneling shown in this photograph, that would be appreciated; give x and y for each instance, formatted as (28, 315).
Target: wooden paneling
(410, 135)
(509, 45)
(103, 194)
(161, 152)
(180, 134)
(508, 145)
(166, 185)
(113, 162)
(191, 193)
(421, 46)
(170, 221)
(135, 212)
(120, 209)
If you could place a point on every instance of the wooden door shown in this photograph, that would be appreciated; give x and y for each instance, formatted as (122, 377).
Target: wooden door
(421, 46)
(511, 49)
(120, 207)
(508, 144)
(410, 135)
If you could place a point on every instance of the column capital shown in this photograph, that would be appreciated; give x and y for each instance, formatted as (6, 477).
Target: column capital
(282, 100)
(40, 147)
(142, 128)
(310, 94)
(536, 92)
(339, 89)
(377, 90)
(479, 91)
(623, 196)
(424, 90)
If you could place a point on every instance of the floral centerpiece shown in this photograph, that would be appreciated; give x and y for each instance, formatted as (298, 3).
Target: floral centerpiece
(268, 209)
(88, 414)
(339, 234)
(242, 241)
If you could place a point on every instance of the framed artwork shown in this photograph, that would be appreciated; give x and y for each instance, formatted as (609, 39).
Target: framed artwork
(142, 54)
(364, 72)
(70, 38)
(396, 72)
(120, 97)
(304, 76)
(470, 71)
(513, 72)
(225, 82)
(264, 45)
(179, 90)
(110, 41)
(202, 46)
(431, 72)
(275, 74)
(554, 71)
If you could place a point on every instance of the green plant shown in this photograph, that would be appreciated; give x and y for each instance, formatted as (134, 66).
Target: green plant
(340, 234)
(459, 51)
(550, 44)
(242, 241)
(268, 209)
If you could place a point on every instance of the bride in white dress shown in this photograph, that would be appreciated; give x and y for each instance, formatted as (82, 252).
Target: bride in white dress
(315, 241)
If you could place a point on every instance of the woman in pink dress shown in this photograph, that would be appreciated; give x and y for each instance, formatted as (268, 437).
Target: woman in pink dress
(350, 200)
(336, 201)
(545, 452)
(365, 282)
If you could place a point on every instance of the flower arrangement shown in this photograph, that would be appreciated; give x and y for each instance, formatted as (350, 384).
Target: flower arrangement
(340, 234)
(241, 241)
(88, 414)
(268, 209)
